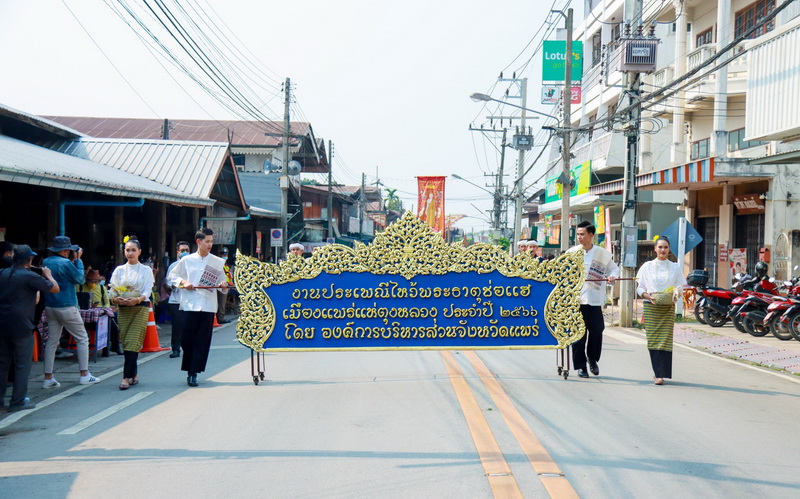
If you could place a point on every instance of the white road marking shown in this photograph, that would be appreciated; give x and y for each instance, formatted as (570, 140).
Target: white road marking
(104, 414)
(626, 338)
(13, 418)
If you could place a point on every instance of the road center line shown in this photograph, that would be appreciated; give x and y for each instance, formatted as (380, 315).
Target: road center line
(498, 473)
(104, 414)
(548, 471)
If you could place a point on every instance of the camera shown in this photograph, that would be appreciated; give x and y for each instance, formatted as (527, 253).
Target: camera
(36, 270)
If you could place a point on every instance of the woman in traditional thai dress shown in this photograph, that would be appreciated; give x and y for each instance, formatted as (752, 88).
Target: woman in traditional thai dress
(659, 281)
(131, 285)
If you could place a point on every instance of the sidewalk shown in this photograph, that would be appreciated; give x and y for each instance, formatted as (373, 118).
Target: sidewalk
(767, 351)
(66, 370)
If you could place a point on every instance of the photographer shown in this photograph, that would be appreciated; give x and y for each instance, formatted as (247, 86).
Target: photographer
(62, 309)
(19, 290)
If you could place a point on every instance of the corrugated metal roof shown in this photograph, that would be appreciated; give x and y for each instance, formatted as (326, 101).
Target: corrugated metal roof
(39, 122)
(262, 192)
(22, 162)
(189, 167)
(243, 133)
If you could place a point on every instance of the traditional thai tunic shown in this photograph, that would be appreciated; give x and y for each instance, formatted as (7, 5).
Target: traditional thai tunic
(657, 276)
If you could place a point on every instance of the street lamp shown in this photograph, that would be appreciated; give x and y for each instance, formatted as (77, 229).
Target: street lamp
(564, 179)
(486, 98)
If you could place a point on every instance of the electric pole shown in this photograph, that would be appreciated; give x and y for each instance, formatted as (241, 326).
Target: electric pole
(519, 198)
(630, 232)
(330, 188)
(284, 182)
(498, 193)
(566, 177)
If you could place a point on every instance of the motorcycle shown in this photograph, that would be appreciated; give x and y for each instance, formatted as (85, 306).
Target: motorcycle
(753, 311)
(717, 303)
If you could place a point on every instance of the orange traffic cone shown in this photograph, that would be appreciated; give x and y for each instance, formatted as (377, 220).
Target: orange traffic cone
(151, 343)
(216, 324)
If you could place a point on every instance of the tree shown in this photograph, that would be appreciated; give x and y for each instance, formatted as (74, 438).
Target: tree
(393, 202)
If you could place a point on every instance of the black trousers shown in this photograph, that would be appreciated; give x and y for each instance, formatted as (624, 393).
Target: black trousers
(130, 369)
(196, 340)
(177, 325)
(591, 344)
(16, 351)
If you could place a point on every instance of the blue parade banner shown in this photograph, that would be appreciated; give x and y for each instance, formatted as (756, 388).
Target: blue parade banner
(409, 290)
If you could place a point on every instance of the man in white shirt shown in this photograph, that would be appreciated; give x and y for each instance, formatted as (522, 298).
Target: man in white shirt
(175, 313)
(199, 276)
(600, 267)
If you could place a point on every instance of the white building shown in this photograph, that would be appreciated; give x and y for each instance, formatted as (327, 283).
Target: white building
(722, 147)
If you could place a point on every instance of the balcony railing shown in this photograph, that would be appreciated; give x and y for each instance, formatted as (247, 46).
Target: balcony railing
(699, 56)
(662, 77)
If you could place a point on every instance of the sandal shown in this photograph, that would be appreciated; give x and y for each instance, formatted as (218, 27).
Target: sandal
(124, 385)
(134, 381)
(658, 381)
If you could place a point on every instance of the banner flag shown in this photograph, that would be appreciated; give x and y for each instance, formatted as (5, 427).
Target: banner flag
(430, 202)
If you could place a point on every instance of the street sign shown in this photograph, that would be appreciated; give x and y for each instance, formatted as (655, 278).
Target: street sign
(576, 95)
(553, 60)
(276, 237)
(551, 94)
(330, 240)
(693, 237)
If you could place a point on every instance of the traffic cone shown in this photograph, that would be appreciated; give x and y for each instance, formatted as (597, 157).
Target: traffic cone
(216, 324)
(151, 343)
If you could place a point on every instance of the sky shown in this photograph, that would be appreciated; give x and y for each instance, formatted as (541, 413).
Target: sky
(388, 82)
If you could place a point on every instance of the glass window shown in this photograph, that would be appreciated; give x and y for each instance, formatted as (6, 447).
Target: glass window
(752, 16)
(736, 140)
(705, 38)
(700, 149)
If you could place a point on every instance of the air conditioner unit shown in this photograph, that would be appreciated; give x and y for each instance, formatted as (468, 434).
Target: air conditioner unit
(638, 55)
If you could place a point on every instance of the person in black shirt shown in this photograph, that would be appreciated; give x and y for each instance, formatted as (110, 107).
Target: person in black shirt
(20, 289)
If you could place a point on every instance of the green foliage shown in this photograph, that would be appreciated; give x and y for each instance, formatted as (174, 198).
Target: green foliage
(503, 242)
(392, 201)
(310, 181)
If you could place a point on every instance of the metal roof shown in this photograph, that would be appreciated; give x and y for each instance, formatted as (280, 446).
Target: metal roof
(262, 192)
(189, 167)
(22, 162)
(242, 133)
(39, 122)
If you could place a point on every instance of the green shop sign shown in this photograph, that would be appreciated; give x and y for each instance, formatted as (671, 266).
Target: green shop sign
(553, 62)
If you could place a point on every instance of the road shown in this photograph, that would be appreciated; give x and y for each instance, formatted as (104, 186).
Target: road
(414, 424)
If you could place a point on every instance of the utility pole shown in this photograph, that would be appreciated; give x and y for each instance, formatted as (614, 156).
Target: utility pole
(630, 232)
(361, 201)
(566, 177)
(519, 198)
(498, 193)
(330, 188)
(284, 182)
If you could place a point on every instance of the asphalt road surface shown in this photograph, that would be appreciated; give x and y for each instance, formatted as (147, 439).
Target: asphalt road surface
(413, 424)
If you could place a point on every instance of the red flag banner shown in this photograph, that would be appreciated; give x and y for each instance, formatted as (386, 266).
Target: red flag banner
(430, 202)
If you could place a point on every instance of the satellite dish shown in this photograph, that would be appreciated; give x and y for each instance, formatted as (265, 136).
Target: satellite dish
(294, 167)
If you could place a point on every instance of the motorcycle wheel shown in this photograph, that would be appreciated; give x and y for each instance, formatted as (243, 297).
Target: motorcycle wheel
(754, 329)
(699, 312)
(794, 325)
(714, 318)
(779, 329)
(737, 323)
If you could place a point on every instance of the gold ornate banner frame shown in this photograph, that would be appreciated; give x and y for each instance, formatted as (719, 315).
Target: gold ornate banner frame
(409, 290)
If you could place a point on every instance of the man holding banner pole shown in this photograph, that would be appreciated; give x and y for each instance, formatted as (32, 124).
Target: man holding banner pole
(600, 267)
(199, 276)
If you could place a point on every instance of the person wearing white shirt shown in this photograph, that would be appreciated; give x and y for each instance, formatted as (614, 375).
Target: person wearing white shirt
(198, 276)
(174, 303)
(600, 267)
